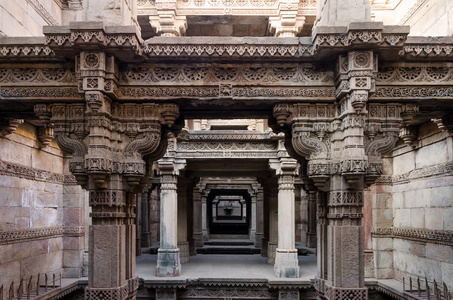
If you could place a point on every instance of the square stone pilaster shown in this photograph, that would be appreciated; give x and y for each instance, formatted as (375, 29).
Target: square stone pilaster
(286, 263)
(116, 293)
(165, 294)
(336, 293)
(168, 263)
(288, 295)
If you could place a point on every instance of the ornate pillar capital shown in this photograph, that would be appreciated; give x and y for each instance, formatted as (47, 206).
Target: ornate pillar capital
(288, 23)
(167, 22)
(355, 79)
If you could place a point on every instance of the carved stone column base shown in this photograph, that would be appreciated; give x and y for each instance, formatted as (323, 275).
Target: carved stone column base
(311, 240)
(168, 263)
(146, 240)
(198, 236)
(192, 247)
(132, 288)
(184, 254)
(165, 294)
(116, 293)
(258, 240)
(264, 247)
(252, 235)
(288, 295)
(286, 263)
(337, 293)
(205, 235)
(320, 287)
(271, 249)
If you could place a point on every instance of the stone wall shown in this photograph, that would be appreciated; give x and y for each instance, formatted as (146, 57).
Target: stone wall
(429, 17)
(27, 17)
(425, 17)
(41, 223)
(413, 216)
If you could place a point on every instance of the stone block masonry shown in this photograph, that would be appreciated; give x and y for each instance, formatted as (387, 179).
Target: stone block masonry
(41, 220)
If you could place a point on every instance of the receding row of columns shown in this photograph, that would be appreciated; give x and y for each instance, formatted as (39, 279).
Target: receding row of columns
(183, 218)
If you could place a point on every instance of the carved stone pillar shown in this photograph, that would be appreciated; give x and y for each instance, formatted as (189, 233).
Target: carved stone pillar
(204, 214)
(273, 220)
(286, 262)
(190, 214)
(168, 259)
(311, 232)
(107, 141)
(252, 231)
(344, 145)
(183, 212)
(259, 234)
(322, 242)
(138, 226)
(146, 219)
(197, 217)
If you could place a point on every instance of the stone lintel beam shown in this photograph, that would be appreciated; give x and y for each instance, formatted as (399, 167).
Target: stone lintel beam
(123, 41)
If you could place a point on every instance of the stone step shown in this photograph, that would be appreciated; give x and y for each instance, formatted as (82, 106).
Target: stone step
(228, 250)
(228, 243)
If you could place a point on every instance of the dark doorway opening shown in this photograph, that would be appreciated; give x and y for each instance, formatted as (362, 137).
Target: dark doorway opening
(229, 212)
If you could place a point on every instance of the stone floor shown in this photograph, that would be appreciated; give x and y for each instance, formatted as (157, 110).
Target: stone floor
(226, 266)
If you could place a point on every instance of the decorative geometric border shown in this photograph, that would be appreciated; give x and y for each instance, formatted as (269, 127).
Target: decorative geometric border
(409, 14)
(16, 170)
(45, 15)
(417, 174)
(25, 235)
(440, 237)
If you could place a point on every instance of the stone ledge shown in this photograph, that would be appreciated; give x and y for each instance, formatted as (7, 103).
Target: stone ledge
(19, 236)
(440, 237)
(16, 170)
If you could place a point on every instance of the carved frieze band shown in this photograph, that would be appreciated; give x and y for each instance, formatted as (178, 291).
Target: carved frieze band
(415, 75)
(292, 49)
(25, 76)
(232, 292)
(125, 40)
(16, 170)
(427, 50)
(427, 172)
(224, 149)
(30, 50)
(215, 74)
(323, 93)
(208, 135)
(441, 237)
(24, 235)
(69, 93)
(412, 92)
